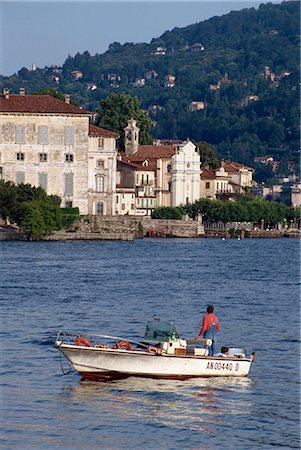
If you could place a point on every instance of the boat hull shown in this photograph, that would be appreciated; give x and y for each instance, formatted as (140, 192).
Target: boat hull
(106, 364)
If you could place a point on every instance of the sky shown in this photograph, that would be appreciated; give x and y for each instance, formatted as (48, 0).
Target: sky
(46, 32)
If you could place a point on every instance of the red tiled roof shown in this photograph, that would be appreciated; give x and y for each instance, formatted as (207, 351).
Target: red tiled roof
(235, 167)
(207, 174)
(97, 131)
(154, 152)
(37, 104)
(126, 159)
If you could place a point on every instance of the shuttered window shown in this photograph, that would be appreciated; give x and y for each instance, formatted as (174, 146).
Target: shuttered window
(69, 136)
(69, 183)
(20, 134)
(99, 183)
(43, 180)
(20, 177)
(43, 134)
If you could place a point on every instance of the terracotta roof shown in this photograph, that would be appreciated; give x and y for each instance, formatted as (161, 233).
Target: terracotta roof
(37, 104)
(126, 159)
(97, 131)
(235, 167)
(154, 152)
(207, 174)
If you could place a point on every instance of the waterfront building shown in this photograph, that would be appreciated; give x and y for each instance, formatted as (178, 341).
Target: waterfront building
(49, 143)
(163, 175)
(229, 179)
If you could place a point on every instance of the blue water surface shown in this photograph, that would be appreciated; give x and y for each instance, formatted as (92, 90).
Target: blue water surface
(114, 288)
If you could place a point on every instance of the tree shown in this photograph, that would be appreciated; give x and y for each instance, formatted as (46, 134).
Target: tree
(36, 213)
(207, 154)
(8, 198)
(116, 110)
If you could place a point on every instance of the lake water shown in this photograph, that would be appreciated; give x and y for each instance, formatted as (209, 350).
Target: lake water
(113, 288)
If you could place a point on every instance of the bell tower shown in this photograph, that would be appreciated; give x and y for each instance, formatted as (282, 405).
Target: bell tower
(131, 137)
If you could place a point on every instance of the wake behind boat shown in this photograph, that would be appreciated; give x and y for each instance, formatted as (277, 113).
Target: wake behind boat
(161, 354)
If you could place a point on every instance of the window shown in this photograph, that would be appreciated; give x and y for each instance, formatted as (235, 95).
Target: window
(117, 199)
(69, 157)
(43, 134)
(100, 164)
(217, 185)
(168, 168)
(147, 179)
(20, 177)
(20, 156)
(20, 134)
(132, 206)
(69, 183)
(123, 206)
(43, 157)
(188, 165)
(43, 180)
(1, 172)
(207, 184)
(99, 183)
(68, 204)
(137, 182)
(169, 186)
(69, 136)
(99, 209)
(100, 142)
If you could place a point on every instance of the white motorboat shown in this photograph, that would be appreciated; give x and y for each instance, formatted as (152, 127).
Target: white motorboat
(161, 354)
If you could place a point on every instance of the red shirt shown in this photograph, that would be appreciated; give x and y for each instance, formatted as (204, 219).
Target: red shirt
(207, 323)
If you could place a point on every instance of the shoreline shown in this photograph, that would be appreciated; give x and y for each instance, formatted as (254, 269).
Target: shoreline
(12, 233)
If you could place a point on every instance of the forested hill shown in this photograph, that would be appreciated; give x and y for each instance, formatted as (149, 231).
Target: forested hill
(241, 71)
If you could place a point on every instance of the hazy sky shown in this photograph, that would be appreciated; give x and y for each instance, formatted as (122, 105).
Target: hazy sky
(45, 33)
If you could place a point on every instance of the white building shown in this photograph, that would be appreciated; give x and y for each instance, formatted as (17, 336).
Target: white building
(185, 178)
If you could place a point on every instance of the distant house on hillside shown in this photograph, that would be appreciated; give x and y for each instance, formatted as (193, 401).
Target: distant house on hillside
(196, 106)
(77, 74)
(91, 86)
(159, 51)
(197, 47)
(150, 75)
(139, 82)
(170, 81)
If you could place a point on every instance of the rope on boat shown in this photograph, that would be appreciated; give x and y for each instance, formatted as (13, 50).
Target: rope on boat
(62, 366)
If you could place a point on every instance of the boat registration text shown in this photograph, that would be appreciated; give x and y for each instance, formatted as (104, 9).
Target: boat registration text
(226, 366)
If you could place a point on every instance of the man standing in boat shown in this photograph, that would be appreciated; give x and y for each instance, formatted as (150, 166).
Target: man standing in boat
(210, 326)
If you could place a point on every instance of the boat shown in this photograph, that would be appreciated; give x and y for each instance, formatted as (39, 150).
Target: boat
(162, 353)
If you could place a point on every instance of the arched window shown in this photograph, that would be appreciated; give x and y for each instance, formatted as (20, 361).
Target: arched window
(99, 210)
(99, 183)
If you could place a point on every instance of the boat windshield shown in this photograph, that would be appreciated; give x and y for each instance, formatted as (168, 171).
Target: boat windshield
(161, 331)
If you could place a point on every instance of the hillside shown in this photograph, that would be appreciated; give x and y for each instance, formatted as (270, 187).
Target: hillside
(232, 81)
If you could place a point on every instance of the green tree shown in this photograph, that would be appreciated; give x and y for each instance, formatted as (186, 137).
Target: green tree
(207, 154)
(8, 198)
(116, 110)
(36, 213)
